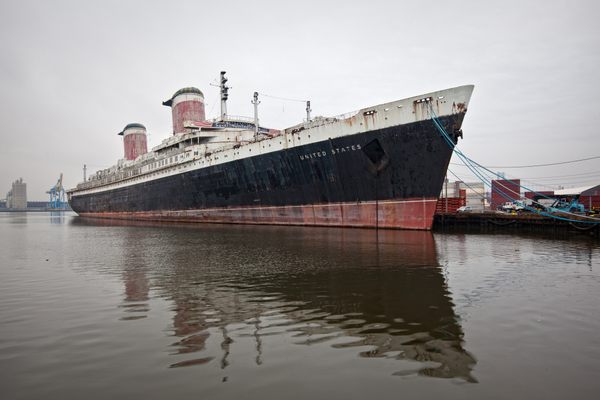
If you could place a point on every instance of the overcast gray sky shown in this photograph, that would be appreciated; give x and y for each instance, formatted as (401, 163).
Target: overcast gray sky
(74, 73)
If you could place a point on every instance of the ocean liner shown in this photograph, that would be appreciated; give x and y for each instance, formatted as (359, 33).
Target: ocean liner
(379, 167)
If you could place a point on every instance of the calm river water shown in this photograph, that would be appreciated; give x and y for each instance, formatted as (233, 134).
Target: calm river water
(97, 310)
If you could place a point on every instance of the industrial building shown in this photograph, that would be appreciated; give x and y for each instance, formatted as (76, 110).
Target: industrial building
(589, 196)
(16, 198)
(456, 194)
(473, 194)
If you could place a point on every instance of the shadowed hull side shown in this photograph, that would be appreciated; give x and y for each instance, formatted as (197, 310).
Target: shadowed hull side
(387, 178)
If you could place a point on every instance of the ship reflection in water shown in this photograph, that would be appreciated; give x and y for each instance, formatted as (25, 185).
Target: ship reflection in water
(382, 293)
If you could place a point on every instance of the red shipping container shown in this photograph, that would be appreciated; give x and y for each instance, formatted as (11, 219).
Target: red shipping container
(503, 191)
(590, 202)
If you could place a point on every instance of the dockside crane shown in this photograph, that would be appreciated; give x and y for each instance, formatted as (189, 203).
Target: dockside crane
(57, 195)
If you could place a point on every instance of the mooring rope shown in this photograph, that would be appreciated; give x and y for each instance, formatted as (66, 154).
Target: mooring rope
(476, 168)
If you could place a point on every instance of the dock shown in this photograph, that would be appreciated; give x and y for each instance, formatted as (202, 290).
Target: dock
(512, 222)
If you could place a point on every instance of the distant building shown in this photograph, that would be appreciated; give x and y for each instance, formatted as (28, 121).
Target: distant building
(589, 196)
(532, 195)
(473, 192)
(17, 196)
(37, 204)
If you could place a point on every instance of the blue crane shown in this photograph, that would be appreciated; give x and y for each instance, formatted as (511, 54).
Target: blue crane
(57, 195)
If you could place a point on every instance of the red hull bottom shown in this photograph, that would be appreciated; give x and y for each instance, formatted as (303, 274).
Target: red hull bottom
(388, 214)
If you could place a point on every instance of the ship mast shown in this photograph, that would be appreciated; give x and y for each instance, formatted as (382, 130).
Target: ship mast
(308, 110)
(224, 95)
(256, 103)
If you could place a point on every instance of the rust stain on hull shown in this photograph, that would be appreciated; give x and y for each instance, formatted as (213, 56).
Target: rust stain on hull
(394, 214)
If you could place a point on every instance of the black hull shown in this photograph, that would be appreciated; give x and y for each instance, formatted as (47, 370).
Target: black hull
(401, 162)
